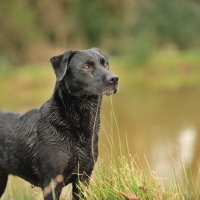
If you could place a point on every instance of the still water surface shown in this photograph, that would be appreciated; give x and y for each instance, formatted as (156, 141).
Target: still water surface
(163, 126)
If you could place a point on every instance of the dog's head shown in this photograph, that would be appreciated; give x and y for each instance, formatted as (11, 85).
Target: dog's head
(85, 72)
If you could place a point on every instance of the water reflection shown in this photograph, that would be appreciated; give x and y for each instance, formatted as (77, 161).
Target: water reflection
(187, 139)
(181, 148)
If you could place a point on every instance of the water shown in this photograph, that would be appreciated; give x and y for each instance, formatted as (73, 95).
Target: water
(163, 126)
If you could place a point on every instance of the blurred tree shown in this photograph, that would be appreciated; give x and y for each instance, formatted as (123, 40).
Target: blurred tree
(171, 21)
(18, 30)
(120, 27)
(95, 20)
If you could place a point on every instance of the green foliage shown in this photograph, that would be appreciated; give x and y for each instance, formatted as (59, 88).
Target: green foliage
(139, 52)
(31, 28)
(172, 21)
(18, 30)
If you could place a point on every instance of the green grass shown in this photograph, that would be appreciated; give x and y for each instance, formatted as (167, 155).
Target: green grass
(163, 71)
(125, 174)
(25, 87)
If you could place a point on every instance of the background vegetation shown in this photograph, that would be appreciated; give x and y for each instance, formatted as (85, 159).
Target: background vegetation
(32, 30)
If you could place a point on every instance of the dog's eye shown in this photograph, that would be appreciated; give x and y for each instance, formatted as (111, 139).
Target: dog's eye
(106, 65)
(86, 67)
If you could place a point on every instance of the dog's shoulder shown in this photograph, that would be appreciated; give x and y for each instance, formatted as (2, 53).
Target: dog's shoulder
(33, 114)
(30, 118)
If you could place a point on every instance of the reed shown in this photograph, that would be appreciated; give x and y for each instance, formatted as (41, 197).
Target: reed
(127, 177)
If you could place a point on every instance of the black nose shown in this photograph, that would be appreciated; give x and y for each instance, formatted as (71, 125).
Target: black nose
(112, 79)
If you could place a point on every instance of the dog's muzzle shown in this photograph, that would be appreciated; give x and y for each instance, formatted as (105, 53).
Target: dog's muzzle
(113, 85)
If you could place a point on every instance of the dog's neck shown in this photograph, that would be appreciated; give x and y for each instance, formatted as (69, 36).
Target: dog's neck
(80, 115)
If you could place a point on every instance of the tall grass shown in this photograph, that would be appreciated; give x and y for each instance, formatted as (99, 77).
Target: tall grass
(123, 176)
(127, 177)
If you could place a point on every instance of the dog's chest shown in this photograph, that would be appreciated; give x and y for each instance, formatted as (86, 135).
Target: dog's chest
(85, 143)
(85, 156)
(79, 127)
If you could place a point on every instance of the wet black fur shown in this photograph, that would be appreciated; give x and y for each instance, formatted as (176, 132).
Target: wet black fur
(60, 137)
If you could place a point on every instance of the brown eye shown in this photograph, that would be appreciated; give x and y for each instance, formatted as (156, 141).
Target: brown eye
(86, 67)
(106, 65)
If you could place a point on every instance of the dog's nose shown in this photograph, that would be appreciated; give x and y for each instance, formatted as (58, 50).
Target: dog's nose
(112, 79)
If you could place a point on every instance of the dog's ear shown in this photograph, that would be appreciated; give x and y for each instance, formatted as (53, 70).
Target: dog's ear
(60, 64)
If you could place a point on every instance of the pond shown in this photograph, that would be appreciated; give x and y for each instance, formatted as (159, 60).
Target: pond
(162, 126)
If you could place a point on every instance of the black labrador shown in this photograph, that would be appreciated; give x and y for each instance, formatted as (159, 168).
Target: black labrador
(57, 144)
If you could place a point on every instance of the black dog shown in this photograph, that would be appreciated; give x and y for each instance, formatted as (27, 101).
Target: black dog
(58, 142)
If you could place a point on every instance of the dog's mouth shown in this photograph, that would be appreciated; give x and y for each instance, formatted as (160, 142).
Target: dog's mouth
(109, 92)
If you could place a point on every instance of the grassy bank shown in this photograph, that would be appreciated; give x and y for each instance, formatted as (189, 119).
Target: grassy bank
(162, 71)
(124, 179)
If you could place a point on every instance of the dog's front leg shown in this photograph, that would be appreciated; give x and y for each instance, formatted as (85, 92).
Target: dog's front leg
(52, 190)
(76, 191)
